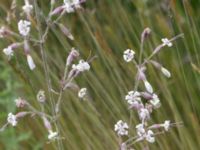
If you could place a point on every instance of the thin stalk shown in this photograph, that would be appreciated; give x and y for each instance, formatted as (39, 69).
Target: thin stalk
(45, 66)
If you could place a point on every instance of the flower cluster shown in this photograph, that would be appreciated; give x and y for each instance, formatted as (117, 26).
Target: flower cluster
(144, 101)
(26, 40)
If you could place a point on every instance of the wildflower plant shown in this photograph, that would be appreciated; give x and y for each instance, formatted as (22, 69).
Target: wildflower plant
(32, 13)
(144, 101)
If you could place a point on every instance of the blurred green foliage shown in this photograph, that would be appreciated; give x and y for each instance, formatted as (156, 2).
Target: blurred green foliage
(106, 28)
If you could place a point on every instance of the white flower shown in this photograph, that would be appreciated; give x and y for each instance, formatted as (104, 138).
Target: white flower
(52, 135)
(166, 125)
(82, 92)
(149, 136)
(8, 51)
(128, 55)
(30, 62)
(166, 42)
(132, 97)
(81, 66)
(140, 130)
(27, 8)
(24, 27)
(71, 5)
(166, 72)
(155, 101)
(144, 114)
(148, 86)
(121, 128)
(12, 119)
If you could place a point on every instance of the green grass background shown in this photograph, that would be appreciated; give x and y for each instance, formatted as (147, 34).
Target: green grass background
(106, 28)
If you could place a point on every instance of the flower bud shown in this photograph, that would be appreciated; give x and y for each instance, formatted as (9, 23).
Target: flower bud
(72, 56)
(166, 72)
(30, 62)
(145, 34)
(21, 114)
(155, 64)
(20, 103)
(146, 95)
(41, 96)
(26, 47)
(57, 10)
(148, 86)
(47, 124)
(66, 31)
(4, 32)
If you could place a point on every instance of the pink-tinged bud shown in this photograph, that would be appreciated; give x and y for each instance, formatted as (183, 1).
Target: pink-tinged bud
(21, 114)
(155, 126)
(15, 45)
(20, 103)
(72, 56)
(71, 86)
(4, 32)
(66, 31)
(141, 75)
(57, 10)
(72, 73)
(82, 1)
(26, 47)
(157, 49)
(47, 124)
(145, 34)
(123, 146)
(146, 95)
(155, 64)
(136, 105)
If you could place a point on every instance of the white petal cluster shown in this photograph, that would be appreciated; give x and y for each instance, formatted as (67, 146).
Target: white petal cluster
(81, 66)
(30, 61)
(142, 134)
(82, 93)
(52, 135)
(71, 5)
(155, 101)
(144, 114)
(132, 97)
(166, 125)
(150, 136)
(121, 128)
(128, 55)
(140, 130)
(8, 51)
(27, 8)
(165, 72)
(24, 27)
(166, 42)
(12, 119)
